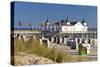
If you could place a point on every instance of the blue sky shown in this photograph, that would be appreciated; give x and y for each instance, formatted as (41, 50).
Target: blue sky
(36, 13)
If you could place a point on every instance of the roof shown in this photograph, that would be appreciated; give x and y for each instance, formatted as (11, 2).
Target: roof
(73, 23)
(62, 22)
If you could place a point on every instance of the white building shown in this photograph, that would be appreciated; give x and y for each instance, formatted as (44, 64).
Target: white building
(65, 26)
(74, 27)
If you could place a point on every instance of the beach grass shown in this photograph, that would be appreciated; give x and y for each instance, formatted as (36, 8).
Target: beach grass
(32, 46)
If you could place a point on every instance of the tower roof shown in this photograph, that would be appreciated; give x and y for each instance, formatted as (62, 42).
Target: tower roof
(67, 19)
(83, 21)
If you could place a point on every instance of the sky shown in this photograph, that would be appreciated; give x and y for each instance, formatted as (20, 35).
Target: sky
(37, 13)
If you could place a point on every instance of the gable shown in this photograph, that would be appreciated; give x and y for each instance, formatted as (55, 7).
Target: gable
(78, 24)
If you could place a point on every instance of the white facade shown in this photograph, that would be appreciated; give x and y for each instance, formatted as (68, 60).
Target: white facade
(77, 28)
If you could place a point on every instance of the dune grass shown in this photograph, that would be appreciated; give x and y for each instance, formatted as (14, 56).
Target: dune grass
(32, 46)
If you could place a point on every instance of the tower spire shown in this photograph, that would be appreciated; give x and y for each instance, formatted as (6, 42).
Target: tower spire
(67, 19)
(45, 22)
(83, 21)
